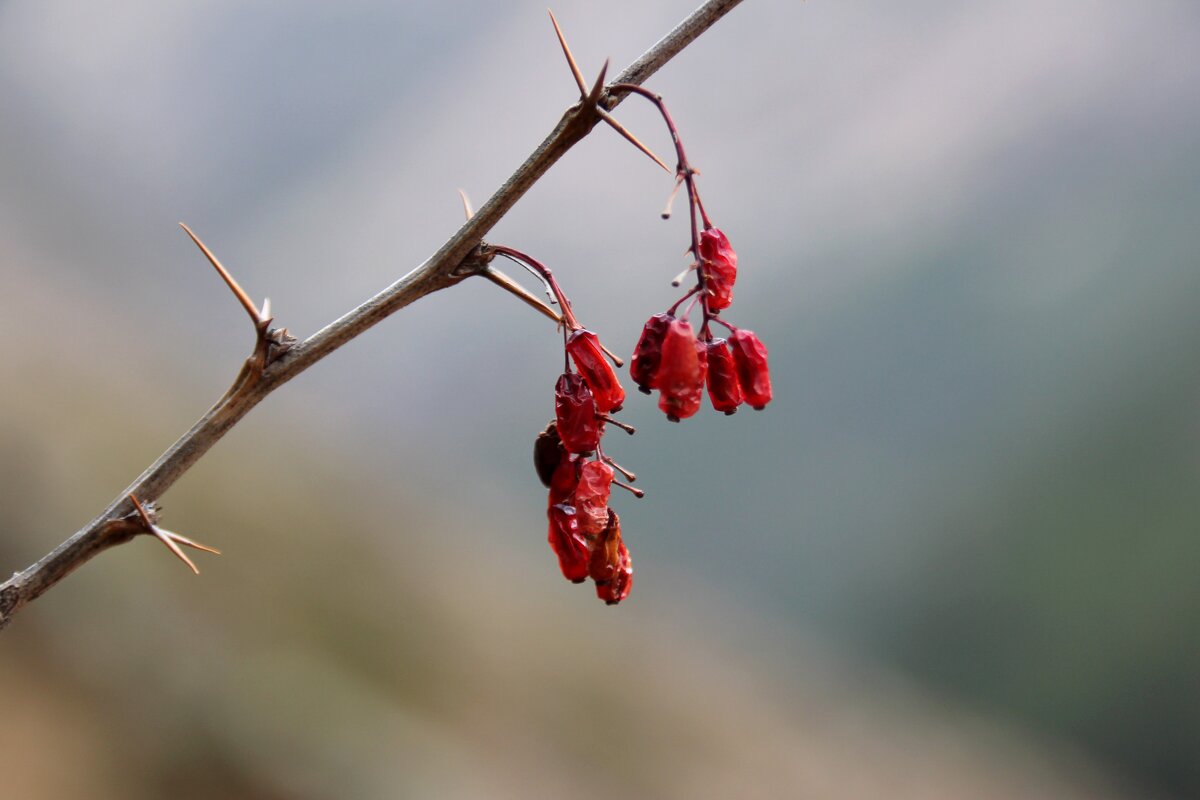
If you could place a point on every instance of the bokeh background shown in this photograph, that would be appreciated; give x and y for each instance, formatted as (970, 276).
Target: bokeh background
(956, 557)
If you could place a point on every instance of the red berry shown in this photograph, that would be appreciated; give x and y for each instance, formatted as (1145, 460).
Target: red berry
(584, 349)
(564, 480)
(547, 452)
(750, 358)
(648, 354)
(591, 497)
(611, 567)
(723, 388)
(719, 262)
(575, 414)
(680, 377)
(568, 544)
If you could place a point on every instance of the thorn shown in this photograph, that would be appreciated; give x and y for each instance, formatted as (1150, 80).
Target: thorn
(237, 290)
(189, 542)
(170, 539)
(621, 129)
(593, 96)
(562, 40)
(174, 548)
(266, 308)
(512, 287)
(470, 212)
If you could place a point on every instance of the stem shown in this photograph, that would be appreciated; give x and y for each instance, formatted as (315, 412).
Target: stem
(545, 274)
(684, 171)
(720, 321)
(679, 302)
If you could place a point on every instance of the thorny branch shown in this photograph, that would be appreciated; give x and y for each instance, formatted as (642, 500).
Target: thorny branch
(277, 358)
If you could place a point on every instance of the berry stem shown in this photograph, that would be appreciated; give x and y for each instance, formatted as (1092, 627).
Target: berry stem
(679, 302)
(544, 272)
(720, 321)
(687, 174)
(638, 493)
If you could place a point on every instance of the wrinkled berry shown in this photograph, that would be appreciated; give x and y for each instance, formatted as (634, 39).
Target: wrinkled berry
(611, 566)
(723, 388)
(547, 452)
(591, 497)
(647, 356)
(750, 358)
(719, 262)
(565, 480)
(568, 544)
(680, 377)
(575, 414)
(584, 349)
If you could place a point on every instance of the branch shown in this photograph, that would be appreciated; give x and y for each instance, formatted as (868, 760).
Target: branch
(462, 256)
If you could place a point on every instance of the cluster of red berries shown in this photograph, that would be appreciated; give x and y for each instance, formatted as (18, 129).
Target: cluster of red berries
(584, 532)
(670, 358)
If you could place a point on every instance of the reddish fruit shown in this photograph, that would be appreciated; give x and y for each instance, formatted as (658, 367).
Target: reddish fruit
(575, 413)
(680, 377)
(565, 479)
(723, 388)
(547, 452)
(719, 262)
(611, 567)
(750, 358)
(648, 354)
(568, 544)
(584, 349)
(591, 497)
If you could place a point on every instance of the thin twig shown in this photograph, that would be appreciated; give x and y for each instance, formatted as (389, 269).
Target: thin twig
(457, 259)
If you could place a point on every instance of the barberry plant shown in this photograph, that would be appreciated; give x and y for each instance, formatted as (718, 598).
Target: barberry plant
(585, 532)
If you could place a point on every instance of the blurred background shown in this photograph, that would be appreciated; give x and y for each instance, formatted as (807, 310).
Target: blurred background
(956, 557)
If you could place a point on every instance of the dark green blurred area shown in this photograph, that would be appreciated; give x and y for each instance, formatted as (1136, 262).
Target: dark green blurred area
(956, 557)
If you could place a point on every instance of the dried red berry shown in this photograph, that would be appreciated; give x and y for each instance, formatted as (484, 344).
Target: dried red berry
(584, 349)
(680, 377)
(723, 388)
(648, 354)
(611, 567)
(575, 414)
(591, 497)
(565, 479)
(750, 358)
(568, 544)
(719, 262)
(547, 452)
